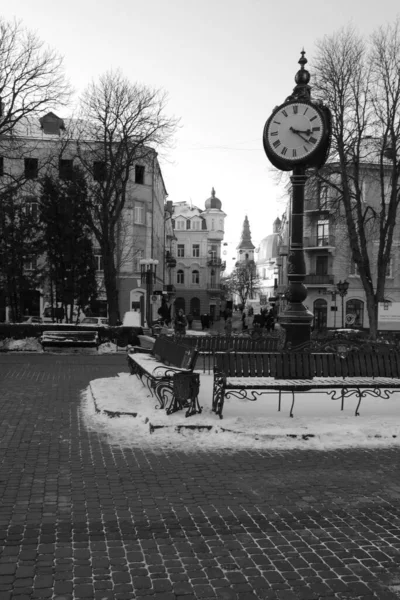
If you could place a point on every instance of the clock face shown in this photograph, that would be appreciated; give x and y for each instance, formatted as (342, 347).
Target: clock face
(294, 132)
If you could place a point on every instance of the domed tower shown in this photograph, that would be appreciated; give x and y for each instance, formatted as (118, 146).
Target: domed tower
(245, 249)
(214, 216)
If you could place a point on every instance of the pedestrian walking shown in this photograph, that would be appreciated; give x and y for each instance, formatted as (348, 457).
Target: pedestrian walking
(189, 320)
(228, 326)
(180, 323)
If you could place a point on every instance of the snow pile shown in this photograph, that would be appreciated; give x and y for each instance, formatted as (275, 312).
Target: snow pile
(318, 421)
(23, 345)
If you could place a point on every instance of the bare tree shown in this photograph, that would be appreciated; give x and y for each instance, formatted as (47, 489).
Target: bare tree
(360, 81)
(121, 124)
(244, 281)
(32, 82)
(32, 77)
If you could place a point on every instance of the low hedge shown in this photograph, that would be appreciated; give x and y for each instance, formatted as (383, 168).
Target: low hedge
(120, 335)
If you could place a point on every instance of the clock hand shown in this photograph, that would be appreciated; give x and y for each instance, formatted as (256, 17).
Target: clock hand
(297, 132)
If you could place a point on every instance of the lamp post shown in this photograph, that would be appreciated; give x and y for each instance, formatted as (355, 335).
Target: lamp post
(148, 268)
(342, 288)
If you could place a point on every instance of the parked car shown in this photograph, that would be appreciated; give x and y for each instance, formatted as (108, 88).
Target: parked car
(31, 319)
(94, 321)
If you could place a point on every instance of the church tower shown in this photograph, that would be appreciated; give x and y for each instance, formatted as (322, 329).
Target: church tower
(245, 249)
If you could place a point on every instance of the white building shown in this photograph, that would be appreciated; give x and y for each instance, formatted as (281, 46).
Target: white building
(197, 250)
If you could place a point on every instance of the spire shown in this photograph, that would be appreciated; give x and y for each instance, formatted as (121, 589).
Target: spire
(302, 90)
(245, 240)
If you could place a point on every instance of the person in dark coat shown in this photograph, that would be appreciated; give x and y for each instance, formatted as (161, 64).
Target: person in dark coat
(180, 323)
(189, 320)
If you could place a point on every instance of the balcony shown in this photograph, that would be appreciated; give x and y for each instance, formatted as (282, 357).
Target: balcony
(215, 287)
(214, 262)
(318, 242)
(311, 206)
(313, 279)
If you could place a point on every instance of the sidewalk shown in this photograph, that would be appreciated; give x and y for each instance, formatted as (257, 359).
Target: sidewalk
(81, 518)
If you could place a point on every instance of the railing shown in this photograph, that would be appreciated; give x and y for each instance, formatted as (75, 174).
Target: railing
(319, 241)
(312, 278)
(216, 286)
(214, 262)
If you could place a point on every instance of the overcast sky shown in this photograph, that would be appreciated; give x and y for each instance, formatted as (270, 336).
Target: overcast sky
(225, 64)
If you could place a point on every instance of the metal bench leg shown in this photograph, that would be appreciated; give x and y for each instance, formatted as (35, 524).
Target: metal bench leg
(218, 395)
(291, 408)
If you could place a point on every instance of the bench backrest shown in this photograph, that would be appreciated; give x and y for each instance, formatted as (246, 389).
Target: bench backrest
(303, 365)
(219, 343)
(174, 354)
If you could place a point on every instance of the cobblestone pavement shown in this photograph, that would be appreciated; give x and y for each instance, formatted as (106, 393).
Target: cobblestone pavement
(81, 519)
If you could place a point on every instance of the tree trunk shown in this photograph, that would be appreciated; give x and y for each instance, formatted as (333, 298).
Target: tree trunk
(110, 283)
(372, 316)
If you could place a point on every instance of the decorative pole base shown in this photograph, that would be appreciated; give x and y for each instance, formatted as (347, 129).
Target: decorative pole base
(296, 318)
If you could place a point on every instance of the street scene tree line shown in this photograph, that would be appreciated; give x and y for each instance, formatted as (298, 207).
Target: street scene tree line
(119, 122)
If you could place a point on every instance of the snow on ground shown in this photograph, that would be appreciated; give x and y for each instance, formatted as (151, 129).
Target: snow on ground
(24, 345)
(318, 421)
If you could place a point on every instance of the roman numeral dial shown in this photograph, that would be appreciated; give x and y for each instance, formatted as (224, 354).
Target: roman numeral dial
(294, 132)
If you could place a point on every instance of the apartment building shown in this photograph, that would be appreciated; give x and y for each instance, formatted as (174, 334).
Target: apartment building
(45, 147)
(196, 248)
(328, 256)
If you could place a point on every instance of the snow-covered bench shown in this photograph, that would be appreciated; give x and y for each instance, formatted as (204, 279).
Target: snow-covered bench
(340, 374)
(168, 371)
(70, 338)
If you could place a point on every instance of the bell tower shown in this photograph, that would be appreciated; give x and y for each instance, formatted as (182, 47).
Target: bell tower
(245, 249)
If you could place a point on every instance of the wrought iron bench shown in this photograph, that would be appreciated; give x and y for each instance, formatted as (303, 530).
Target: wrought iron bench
(69, 339)
(207, 344)
(340, 374)
(168, 371)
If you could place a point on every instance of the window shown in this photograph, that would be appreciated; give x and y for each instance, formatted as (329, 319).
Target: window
(180, 224)
(181, 250)
(323, 197)
(354, 268)
(65, 169)
(30, 264)
(389, 268)
(195, 224)
(213, 224)
(137, 259)
(31, 210)
(99, 170)
(195, 277)
(213, 252)
(180, 276)
(355, 308)
(31, 168)
(139, 174)
(188, 224)
(323, 233)
(139, 215)
(1, 166)
(196, 250)
(321, 265)
(99, 262)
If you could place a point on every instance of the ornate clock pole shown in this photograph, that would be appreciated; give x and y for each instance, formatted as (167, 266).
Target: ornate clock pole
(296, 138)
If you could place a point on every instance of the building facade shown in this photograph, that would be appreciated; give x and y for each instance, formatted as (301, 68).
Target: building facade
(46, 148)
(196, 248)
(328, 256)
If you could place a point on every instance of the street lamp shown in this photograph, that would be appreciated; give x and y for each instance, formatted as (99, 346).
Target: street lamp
(342, 288)
(148, 268)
